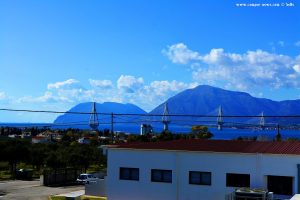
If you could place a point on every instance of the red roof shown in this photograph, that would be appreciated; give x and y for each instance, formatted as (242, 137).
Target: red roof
(269, 147)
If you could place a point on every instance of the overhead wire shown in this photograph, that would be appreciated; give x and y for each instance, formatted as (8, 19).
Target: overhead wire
(135, 118)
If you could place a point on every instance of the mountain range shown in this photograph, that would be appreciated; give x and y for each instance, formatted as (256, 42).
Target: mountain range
(81, 120)
(201, 100)
(205, 100)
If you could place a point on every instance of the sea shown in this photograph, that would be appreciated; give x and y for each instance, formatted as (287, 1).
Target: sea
(224, 134)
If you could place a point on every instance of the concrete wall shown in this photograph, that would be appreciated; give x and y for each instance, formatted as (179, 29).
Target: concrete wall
(257, 165)
(144, 188)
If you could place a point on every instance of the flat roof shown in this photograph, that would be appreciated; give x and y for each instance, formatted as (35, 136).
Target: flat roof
(229, 146)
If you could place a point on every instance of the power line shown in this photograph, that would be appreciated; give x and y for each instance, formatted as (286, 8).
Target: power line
(147, 115)
(134, 118)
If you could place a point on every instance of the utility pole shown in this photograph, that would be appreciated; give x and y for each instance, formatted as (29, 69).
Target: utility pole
(278, 136)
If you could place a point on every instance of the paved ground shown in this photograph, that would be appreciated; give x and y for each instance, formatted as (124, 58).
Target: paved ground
(31, 190)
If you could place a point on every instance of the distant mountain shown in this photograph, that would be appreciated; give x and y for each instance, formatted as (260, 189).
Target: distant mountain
(205, 100)
(202, 100)
(81, 120)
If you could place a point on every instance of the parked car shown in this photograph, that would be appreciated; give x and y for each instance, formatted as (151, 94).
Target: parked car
(86, 178)
(24, 174)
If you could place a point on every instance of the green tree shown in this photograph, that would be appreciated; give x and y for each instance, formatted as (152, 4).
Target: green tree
(14, 152)
(56, 159)
(201, 132)
(165, 136)
(38, 154)
(82, 156)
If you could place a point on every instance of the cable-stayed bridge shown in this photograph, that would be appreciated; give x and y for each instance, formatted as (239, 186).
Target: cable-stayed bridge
(217, 119)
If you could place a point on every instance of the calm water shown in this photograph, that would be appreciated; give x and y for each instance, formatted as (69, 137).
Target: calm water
(270, 134)
(225, 134)
(228, 133)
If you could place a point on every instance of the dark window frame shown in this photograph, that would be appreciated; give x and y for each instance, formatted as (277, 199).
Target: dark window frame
(130, 178)
(239, 183)
(200, 182)
(162, 177)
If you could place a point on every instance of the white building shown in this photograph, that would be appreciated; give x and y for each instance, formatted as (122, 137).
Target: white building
(146, 129)
(201, 169)
(84, 140)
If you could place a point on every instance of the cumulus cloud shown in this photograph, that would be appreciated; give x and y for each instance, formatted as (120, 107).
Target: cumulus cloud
(297, 68)
(68, 91)
(179, 53)
(155, 93)
(243, 71)
(127, 89)
(47, 97)
(130, 84)
(2, 95)
(58, 85)
(105, 84)
(163, 88)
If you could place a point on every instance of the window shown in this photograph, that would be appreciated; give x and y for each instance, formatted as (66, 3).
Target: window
(129, 173)
(158, 175)
(200, 178)
(237, 180)
(282, 185)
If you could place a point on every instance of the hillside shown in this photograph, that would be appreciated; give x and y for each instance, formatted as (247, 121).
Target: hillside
(205, 100)
(81, 120)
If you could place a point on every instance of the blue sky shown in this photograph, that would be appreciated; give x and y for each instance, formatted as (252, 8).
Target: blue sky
(55, 54)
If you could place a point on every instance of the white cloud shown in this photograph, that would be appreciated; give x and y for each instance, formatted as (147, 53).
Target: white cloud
(2, 96)
(128, 89)
(68, 91)
(104, 84)
(297, 44)
(130, 84)
(179, 53)
(162, 88)
(297, 68)
(217, 56)
(75, 95)
(244, 71)
(62, 84)
(133, 90)
(48, 97)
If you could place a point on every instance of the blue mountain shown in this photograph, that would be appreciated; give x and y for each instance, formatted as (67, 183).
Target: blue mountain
(82, 120)
(205, 100)
(201, 100)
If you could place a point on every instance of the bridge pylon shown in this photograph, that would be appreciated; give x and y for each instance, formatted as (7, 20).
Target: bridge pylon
(220, 121)
(166, 117)
(93, 122)
(262, 121)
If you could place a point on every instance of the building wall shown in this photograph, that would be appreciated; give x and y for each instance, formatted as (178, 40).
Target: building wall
(257, 165)
(144, 188)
